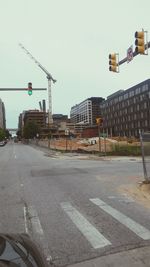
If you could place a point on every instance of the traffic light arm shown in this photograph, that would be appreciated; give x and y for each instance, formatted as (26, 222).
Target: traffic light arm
(22, 89)
(134, 54)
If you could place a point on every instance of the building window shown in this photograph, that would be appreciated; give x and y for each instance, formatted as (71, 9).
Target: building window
(142, 115)
(126, 96)
(137, 90)
(144, 87)
(131, 93)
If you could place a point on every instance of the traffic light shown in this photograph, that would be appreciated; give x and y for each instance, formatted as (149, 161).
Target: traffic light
(113, 62)
(29, 89)
(140, 42)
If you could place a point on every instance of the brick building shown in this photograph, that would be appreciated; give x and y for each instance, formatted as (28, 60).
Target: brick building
(39, 117)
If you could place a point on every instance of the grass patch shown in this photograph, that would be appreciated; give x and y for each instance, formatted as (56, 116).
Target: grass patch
(125, 150)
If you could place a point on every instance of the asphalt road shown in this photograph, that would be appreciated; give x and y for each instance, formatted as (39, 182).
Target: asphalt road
(71, 206)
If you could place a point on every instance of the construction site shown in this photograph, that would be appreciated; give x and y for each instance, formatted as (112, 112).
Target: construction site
(99, 146)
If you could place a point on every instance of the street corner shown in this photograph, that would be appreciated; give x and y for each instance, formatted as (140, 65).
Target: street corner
(139, 191)
(133, 257)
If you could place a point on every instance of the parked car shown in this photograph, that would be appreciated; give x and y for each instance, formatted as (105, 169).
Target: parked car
(2, 143)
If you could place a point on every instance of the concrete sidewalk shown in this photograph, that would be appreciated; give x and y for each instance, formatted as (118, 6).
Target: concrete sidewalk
(139, 257)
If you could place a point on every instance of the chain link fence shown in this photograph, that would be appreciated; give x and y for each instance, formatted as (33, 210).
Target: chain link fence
(145, 147)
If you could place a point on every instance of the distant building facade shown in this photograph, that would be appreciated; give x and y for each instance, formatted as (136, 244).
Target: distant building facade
(59, 118)
(127, 111)
(87, 111)
(39, 117)
(2, 115)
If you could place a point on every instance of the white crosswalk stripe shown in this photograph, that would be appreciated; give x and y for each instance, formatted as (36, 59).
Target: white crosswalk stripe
(135, 227)
(96, 239)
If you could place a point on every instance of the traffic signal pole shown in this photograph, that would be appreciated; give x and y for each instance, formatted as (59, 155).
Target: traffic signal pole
(141, 49)
(99, 139)
(134, 54)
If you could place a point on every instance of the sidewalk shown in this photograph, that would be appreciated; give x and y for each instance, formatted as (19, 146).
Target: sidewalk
(139, 257)
(85, 156)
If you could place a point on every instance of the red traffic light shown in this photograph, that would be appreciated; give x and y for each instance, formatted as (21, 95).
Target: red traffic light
(30, 85)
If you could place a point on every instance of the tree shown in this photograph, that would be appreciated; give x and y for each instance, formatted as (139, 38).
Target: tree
(2, 134)
(19, 134)
(30, 130)
(7, 133)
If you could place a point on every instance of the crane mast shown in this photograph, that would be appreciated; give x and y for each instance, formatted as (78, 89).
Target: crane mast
(49, 78)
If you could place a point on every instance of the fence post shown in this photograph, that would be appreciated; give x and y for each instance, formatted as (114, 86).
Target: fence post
(143, 157)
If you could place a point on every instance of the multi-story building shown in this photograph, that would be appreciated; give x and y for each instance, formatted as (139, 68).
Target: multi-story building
(2, 115)
(39, 117)
(87, 111)
(58, 118)
(127, 111)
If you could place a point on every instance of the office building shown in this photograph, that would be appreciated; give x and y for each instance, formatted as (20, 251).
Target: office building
(87, 111)
(127, 111)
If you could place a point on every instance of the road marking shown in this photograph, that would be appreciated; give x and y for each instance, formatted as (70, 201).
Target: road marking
(25, 220)
(96, 239)
(35, 220)
(135, 227)
(124, 198)
(31, 214)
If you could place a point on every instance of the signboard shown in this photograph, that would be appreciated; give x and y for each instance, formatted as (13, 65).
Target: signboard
(130, 54)
(67, 132)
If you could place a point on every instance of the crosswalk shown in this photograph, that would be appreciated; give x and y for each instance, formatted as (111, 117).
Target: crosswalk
(135, 227)
(93, 234)
(96, 239)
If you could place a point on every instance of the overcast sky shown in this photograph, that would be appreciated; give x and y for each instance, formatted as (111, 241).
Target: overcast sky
(72, 40)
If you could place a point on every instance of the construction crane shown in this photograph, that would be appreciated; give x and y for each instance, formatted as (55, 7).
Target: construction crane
(49, 78)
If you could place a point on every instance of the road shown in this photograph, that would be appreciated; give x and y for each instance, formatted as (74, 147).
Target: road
(70, 205)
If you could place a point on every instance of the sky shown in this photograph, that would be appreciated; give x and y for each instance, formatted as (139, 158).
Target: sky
(72, 40)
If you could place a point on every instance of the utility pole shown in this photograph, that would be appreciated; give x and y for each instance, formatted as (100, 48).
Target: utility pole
(49, 78)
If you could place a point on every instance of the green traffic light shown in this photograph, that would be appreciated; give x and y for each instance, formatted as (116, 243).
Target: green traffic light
(29, 92)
